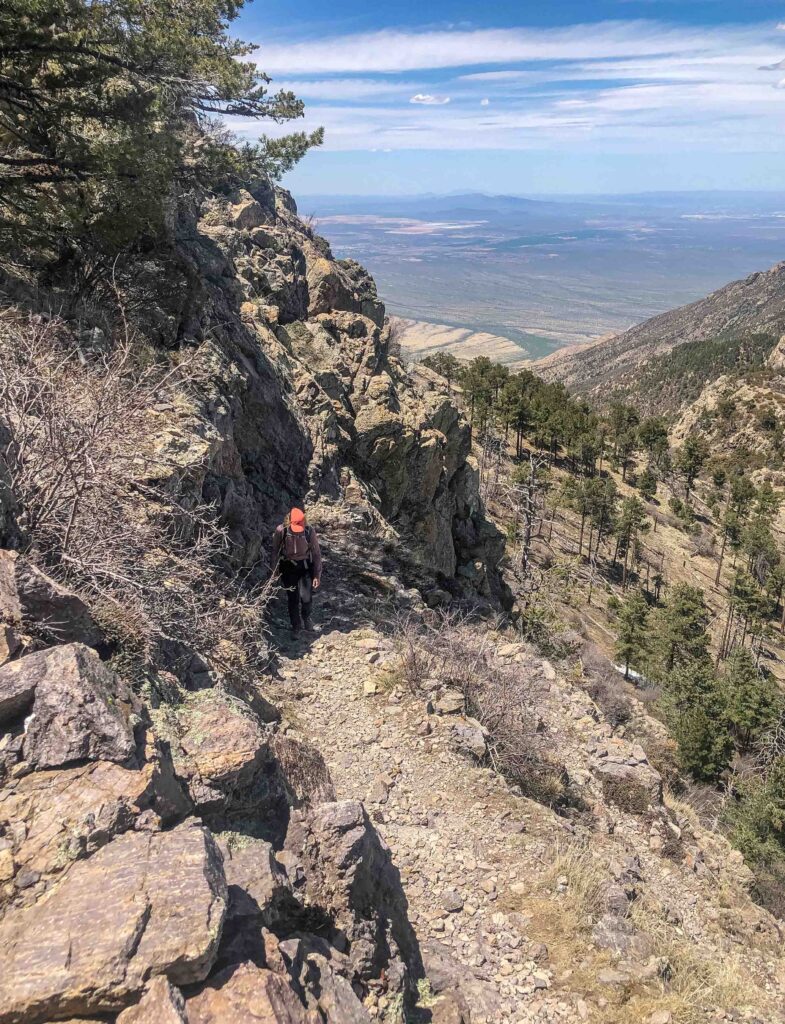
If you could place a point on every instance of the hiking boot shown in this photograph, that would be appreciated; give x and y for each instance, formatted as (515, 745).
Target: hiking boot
(295, 632)
(308, 625)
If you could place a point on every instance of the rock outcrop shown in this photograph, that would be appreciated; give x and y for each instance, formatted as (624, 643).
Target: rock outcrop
(302, 399)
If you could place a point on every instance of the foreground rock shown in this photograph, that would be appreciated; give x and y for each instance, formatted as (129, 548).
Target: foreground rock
(248, 993)
(50, 820)
(235, 768)
(79, 709)
(31, 601)
(142, 906)
(350, 875)
(161, 1003)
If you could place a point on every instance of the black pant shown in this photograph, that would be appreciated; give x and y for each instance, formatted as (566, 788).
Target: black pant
(297, 578)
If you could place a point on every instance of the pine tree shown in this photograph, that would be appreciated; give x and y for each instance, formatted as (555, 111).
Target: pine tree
(751, 696)
(696, 712)
(647, 484)
(109, 110)
(632, 632)
(679, 630)
(690, 460)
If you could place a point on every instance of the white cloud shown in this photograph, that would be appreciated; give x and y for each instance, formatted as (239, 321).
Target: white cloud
(389, 51)
(485, 102)
(343, 88)
(429, 101)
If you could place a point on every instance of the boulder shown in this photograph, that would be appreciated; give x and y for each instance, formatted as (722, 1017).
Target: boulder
(467, 736)
(322, 974)
(349, 875)
(33, 601)
(248, 993)
(236, 768)
(246, 213)
(259, 896)
(81, 710)
(55, 818)
(141, 906)
(161, 1003)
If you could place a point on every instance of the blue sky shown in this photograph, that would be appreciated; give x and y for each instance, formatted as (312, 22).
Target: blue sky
(559, 96)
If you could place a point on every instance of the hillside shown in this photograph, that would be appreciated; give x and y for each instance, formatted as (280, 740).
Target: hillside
(742, 309)
(326, 800)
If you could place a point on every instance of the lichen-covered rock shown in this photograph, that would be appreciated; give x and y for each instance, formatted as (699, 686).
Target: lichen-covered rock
(31, 599)
(235, 768)
(81, 710)
(143, 905)
(53, 819)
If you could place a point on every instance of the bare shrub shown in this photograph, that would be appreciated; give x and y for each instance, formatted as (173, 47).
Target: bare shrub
(106, 513)
(502, 697)
(606, 687)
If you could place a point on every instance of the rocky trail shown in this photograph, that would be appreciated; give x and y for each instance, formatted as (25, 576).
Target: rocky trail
(455, 832)
(488, 874)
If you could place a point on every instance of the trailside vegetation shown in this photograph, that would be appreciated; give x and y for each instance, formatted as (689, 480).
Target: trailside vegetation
(607, 475)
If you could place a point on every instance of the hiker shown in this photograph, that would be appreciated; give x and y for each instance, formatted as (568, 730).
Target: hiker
(297, 556)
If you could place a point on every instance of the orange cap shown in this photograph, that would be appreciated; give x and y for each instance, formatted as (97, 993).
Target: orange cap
(297, 520)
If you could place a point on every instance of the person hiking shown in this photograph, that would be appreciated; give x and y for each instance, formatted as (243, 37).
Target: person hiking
(297, 557)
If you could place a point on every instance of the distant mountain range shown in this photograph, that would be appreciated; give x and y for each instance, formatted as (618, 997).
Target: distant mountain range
(738, 324)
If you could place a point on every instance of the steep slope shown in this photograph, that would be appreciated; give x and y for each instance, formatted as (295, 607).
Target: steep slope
(755, 305)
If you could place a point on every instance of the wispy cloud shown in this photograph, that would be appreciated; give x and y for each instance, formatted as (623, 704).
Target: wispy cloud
(392, 51)
(626, 85)
(427, 100)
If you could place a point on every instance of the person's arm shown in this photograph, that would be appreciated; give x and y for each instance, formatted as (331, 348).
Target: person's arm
(316, 558)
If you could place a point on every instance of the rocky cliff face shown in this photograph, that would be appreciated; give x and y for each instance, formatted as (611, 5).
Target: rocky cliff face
(301, 398)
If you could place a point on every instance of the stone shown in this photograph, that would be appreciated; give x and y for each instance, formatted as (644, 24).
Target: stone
(9, 643)
(349, 875)
(235, 767)
(161, 1003)
(247, 993)
(467, 737)
(61, 816)
(321, 971)
(81, 710)
(452, 901)
(619, 935)
(246, 213)
(141, 906)
(31, 600)
(259, 896)
(612, 977)
(660, 1017)
(17, 690)
(451, 703)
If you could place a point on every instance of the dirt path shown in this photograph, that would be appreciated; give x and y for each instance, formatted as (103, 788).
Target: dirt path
(462, 843)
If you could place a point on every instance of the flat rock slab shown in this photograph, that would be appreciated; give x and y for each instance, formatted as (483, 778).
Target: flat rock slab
(143, 905)
(249, 994)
